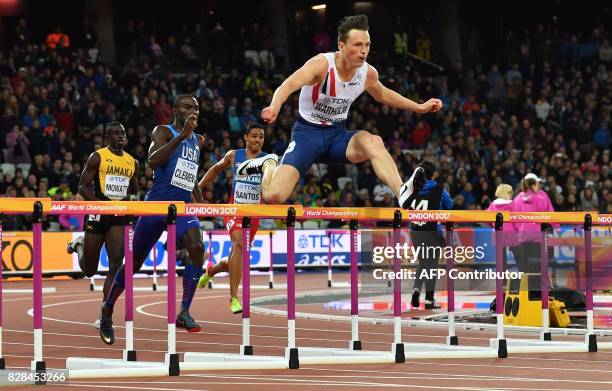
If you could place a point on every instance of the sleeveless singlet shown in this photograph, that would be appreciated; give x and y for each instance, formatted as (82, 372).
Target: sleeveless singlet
(175, 180)
(328, 103)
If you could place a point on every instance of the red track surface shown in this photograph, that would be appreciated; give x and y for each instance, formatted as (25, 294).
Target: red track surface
(70, 312)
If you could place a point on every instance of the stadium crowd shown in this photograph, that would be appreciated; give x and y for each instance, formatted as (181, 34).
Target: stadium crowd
(544, 107)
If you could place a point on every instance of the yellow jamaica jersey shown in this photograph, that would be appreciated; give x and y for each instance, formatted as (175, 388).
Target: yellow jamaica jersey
(114, 174)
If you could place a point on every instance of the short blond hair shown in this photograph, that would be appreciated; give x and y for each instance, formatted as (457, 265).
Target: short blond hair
(504, 191)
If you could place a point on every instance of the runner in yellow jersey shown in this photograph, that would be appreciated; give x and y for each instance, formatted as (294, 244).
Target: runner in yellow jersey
(109, 174)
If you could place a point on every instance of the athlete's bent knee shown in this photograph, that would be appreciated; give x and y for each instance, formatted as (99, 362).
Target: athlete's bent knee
(374, 143)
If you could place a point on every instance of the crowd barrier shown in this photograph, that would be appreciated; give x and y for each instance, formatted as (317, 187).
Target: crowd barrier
(296, 355)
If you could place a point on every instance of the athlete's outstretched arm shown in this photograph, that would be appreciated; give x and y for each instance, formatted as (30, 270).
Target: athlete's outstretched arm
(164, 144)
(308, 74)
(86, 181)
(391, 98)
(213, 172)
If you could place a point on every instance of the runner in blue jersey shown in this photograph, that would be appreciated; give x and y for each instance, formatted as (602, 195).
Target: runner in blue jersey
(245, 190)
(174, 155)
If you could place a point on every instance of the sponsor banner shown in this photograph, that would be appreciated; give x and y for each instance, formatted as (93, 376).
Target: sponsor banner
(134, 208)
(604, 219)
(310, 249)
(550, 217)
(18, 255)
(350, 213)
(240, 210)
(23, 205)
(456, 216)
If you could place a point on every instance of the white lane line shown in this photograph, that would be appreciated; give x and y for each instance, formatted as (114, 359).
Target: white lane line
(495, 366)
(586, 360)
(468, 376)
(293, 385)
(141, 309)
(98, 385)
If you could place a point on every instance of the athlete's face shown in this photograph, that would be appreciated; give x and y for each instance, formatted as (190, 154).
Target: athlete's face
(356, 48)
(254, 140)
(115, 137)
(184, 108)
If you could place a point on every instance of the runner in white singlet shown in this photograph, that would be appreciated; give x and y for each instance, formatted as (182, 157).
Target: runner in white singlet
(329, 83)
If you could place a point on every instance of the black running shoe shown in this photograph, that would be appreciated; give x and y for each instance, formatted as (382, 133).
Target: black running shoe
(415, 299)
(411, 187)
(185, 321)
(107, 331)
(431, 305)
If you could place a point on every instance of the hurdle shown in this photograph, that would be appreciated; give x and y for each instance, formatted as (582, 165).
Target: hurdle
(399, 351)
(83, 367)
(246, 357)
(404, 351)
(545, 343)
(590, 337)
(35, 207)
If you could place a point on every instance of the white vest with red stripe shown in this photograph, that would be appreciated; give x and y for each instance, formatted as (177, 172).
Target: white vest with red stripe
(328, 103)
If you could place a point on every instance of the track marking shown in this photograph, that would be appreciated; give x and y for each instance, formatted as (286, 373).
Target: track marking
(470, 376)
(140, 309)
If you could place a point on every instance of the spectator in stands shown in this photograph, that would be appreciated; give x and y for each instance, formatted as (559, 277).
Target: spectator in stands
(58, 40)
(17, 143)
(64, 117)
(588, 199)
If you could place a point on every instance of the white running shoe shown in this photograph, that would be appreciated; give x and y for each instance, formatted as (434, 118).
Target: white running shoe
(97, 323)
(411, 187)
(73, 246)
(254, 166)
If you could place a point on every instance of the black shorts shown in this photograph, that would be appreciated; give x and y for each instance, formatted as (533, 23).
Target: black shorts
(100, 224)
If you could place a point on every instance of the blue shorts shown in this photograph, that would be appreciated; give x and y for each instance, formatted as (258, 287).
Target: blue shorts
(312, 143)
(149, 228)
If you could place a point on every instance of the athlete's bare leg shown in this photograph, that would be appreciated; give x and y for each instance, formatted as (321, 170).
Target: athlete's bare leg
(235, 262)
(366, 146)
(221, 266)
(233, 265)
(278, 182)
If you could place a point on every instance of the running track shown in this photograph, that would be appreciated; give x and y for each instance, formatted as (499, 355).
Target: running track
(68, 331)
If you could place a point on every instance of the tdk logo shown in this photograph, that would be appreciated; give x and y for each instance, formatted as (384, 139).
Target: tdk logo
(320, 241)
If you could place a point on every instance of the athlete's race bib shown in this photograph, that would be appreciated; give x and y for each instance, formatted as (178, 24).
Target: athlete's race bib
(116, 187)
(185, 174)
(246, 193)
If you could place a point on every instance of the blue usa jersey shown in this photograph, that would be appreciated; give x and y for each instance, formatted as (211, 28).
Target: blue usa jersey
(245, 190)
(175, 180)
